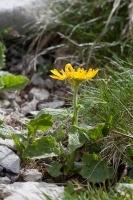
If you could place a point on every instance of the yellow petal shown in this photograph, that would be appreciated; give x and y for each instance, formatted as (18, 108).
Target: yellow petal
(69, 67)
(55, 72)
(91, 73)
(57, 77)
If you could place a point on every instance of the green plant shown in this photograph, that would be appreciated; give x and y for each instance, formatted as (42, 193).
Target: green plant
(7, 80)
(65, 142)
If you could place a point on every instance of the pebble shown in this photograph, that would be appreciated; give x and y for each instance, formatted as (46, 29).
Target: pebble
(54, 104)
(32, 175)
(49, 83)
(39, 94)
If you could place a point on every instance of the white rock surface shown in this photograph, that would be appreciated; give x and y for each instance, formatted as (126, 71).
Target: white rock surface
(9, 160)
(32, 190)
(32, 175)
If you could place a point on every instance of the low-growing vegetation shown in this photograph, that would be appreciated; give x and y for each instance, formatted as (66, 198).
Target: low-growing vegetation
(88, 146)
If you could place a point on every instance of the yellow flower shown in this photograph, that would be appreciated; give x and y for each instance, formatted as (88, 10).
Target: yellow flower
(76, 76)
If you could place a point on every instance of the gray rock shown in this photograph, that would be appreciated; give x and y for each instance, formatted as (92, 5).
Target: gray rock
(32, 175)
(18, 13)
(49, 83)
(1, 168)
(4, 103)
(5, 180)
(33, 190)
(54, 104)
(10, 95)
(29, 106)
(37, 80)
(13, 177)
(9, 143)
(39, 94)
(22, 14)
(9, 160)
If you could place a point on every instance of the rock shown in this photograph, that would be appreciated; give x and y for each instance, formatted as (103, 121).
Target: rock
(10, 95)
(9, 160)
(9, 110)
(22, 14)
(5, 180)
(12, 177)
(49, 83)
(1, 168)
(9, 143)
(37, 80)
(32, 190)
(30, 106)
(124, 189)
(17, 13)
(4, 192)
(32, 113)
(39, 94)
(4, 103)
(54, 104)
(32, 175)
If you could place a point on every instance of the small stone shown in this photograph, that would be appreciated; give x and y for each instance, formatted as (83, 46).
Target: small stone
(4, 103)
(37, 80)
(9, 110)
(5, 180)
(30, 106)
(54, 104)
(49, 83)
(10, 95)
(39, 94)
(32, 175)
(9, 160)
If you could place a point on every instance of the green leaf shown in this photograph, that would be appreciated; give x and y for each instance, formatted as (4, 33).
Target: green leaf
(1, 85)
(2, 56)
(94, 132)
(94, 169)
(12, 82)
(76, 138)
(57, 114)
(58, 134)
(40, 122)
(69, 188)
(54, 169)
(42, 148)
(19, 144)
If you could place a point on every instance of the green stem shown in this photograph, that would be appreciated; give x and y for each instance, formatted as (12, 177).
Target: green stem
(75, 107)
(70, 161)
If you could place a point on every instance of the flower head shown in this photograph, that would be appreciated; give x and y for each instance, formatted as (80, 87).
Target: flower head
(76, 76)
